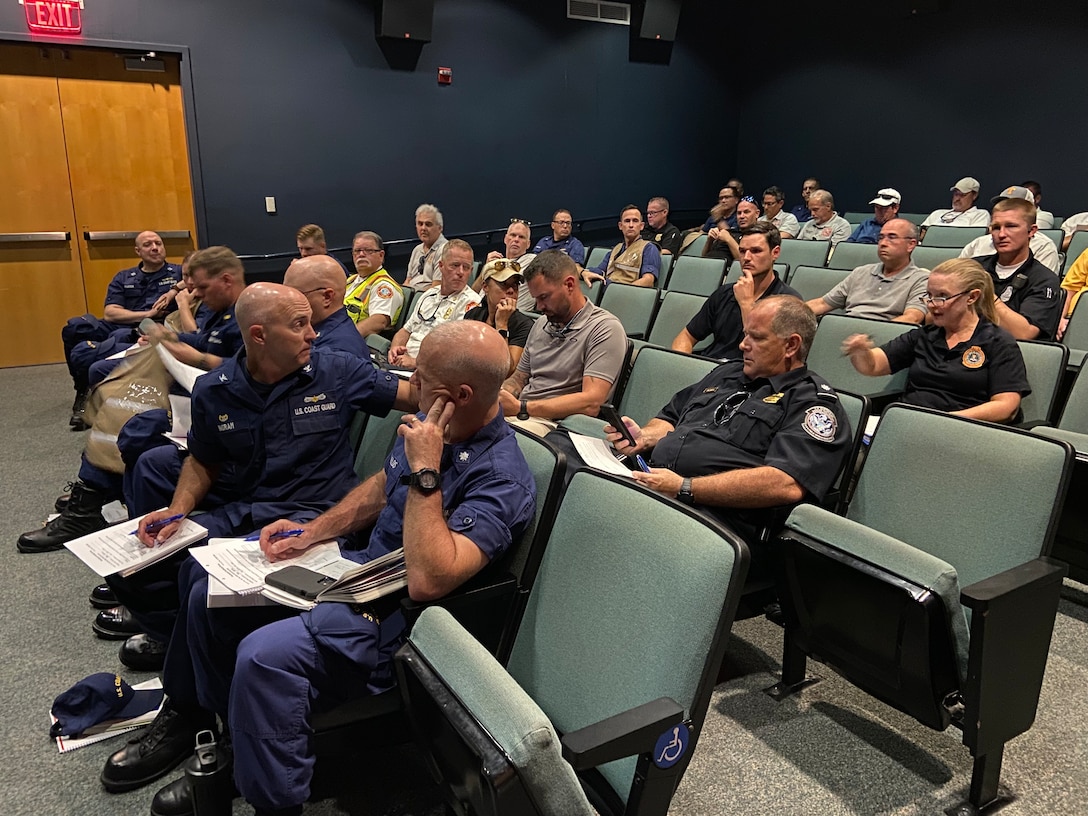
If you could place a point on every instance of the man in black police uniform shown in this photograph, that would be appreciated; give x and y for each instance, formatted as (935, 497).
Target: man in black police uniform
(724, 312)
(745, 444)
(1028, 294)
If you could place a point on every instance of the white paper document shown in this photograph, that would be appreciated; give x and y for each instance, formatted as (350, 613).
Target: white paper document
(597, 453)
(184, 375)
(135, 348)
(241, 566)
(181, 409)
(117, 550)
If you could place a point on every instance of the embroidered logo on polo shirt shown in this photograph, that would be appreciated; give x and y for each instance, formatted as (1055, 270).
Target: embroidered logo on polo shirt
(820, 423)
(384, 291)
(973, 357)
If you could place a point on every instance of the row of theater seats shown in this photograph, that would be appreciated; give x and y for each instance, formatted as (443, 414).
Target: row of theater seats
(944, 614)
(856, 218)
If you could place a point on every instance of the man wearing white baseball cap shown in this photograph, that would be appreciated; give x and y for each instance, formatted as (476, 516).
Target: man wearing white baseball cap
(1042, 248)
(963, 213)
(885, 208)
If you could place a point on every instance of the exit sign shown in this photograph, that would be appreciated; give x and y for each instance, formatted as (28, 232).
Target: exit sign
(54, 16)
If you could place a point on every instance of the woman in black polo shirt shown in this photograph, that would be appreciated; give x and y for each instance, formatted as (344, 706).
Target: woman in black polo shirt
(963, 363)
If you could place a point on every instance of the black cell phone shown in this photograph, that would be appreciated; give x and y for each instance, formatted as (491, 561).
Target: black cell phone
(610, 415)
(299, 581)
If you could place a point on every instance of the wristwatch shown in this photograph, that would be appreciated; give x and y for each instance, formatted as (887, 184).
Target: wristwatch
(504, 334)
(685, 496)
(425, 480)
(524, 412)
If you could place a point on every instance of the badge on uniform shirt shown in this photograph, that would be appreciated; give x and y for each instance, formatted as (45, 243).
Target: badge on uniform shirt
(973, 357)
(773, 398)
(463, 456)
(1006, 296)
(657, 238)
(820, 423)
(710, 390)
(224, 417)
(384, 291)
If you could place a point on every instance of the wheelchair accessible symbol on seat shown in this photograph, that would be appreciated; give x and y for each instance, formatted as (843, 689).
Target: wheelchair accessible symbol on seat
(671, 746)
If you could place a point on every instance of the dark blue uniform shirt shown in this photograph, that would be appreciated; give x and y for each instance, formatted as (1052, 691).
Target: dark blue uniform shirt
(137, 291)
(337, 332)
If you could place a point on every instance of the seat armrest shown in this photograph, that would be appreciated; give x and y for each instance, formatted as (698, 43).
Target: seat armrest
(467, 597)
(1012, 621)
(1033, 423)
(882, 399)
(622, 735)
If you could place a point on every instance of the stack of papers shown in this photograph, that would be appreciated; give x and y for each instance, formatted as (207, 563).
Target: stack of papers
(106, 730)
(116, 550)
(355, 583)
(236, 568)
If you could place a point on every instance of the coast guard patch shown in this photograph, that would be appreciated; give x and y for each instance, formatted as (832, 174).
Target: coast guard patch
(820, 423)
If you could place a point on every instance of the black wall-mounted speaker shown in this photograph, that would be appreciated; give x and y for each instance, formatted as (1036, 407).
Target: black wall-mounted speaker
(405, 19)
(659, 20)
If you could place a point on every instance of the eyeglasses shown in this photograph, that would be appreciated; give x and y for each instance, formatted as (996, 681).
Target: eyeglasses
(557, 332)
(883, 237)
(520, 221)
(729, 407)
(929, 300)
(318, 289)
(559, 223)
(365, 251)
(654, 212)
(502, 264)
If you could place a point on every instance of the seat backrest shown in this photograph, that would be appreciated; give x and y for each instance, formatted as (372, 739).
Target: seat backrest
(1076, 334)
(696, 276)
(943, 235)
(1045, 364)
(675, 312)
(634, 306)
(857, 410)
(856, 218)
(595, 256)
(655, 377)
(696, 246)
(827, 360)
(406, 308)
(850, 256)
(1075, 413)
(914, 218)
(811, 282)
(928, 257)
(548, 466)
(663, 273)
(804, 253)
(591, 291)
(377, 440)
(1077, 244)
(733, 274)
(620, 615)
(993, 506)
(1055, 235)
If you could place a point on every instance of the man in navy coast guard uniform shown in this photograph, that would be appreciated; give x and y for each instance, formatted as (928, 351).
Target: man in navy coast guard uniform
(455, 492)
(145, 290)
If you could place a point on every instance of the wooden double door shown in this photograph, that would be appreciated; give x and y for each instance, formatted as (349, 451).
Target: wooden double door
(91, 152)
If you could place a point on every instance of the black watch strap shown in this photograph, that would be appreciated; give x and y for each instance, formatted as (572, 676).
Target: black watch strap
(426, 480)
(685, 495)
(523, 412)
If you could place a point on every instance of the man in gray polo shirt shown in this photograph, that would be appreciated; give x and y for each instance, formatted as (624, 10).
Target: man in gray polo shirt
(574, 353)
(826, 224)
(889, 290)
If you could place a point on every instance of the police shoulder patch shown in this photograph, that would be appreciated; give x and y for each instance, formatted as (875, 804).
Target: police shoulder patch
(820, 423)
(384, 291)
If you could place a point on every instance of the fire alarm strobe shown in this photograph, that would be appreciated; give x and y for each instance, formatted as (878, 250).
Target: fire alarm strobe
(445, 76)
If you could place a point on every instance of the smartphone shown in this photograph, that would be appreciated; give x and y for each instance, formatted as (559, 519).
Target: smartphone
(610, 415)
(299, 581)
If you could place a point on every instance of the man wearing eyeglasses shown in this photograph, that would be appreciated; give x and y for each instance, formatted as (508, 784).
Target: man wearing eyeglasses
(634, 261)
(747, 443)
(659, 229)
(725, 311)
(372, 298)
(885, 208)
(889, 290)
(573, 355)
(963, 212)
(561, 239)
(773, 202)
(320, 278)
(423, 271)
(439, 304)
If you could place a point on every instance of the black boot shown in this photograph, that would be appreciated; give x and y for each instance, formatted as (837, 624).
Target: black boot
(75, 422)
(157, 751)
(81, 516)
(176, 798)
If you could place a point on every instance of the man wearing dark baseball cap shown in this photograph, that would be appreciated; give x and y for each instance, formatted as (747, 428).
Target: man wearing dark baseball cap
(885, 208)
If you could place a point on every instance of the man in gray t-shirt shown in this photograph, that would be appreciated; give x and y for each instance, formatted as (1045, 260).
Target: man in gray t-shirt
(574, 353)
(889, 290)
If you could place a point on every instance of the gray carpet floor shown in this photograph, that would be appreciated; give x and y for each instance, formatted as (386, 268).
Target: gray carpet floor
(829, 750)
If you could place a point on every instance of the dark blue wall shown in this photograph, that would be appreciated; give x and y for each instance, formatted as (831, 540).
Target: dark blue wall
(869, 96)
(296, 100)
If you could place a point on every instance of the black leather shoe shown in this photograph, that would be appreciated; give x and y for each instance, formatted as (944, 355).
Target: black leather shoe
(82, 515)
(116, 624)
(157, 751)
(143, 653)
(102, 597)
(175, 799)
(63, 499)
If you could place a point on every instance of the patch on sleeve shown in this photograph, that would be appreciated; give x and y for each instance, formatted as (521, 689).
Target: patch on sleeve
(384, 291)
(820, 423)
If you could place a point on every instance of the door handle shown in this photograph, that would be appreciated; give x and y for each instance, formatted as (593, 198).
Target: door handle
(130, 235)
(22, 237)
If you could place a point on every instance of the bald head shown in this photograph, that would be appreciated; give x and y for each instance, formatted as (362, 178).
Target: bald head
(321, 280)
(264, 303)
(466, 352)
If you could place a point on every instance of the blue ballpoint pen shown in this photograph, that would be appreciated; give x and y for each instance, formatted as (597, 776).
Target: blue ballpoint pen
(284, 534)
(155, 526)
(642, 463)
